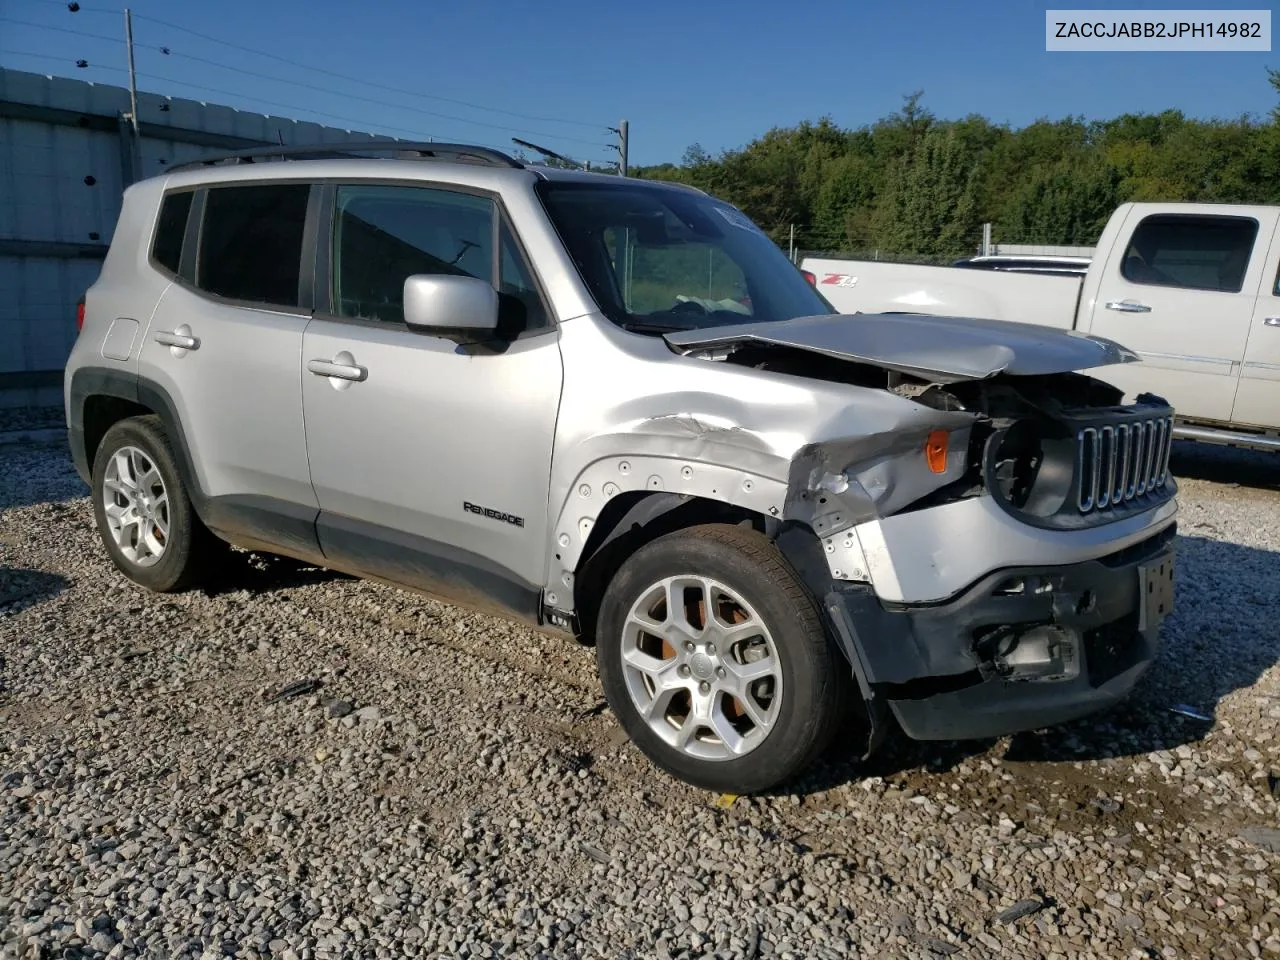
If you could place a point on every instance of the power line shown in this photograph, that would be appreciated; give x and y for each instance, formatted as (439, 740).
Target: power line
(49, 26)
(167, 51)
(353, 96)
(368, 83)
(340, 76)
(301, 109)
(271, 103)
(295, 108)
(81, 8)
(50, 58)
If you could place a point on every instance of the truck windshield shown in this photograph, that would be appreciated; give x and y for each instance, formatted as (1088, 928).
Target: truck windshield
(659, 258)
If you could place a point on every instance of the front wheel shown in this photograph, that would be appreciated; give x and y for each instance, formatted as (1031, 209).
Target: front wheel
(713, 656)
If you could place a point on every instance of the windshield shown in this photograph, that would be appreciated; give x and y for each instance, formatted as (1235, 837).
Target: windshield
(659, 259)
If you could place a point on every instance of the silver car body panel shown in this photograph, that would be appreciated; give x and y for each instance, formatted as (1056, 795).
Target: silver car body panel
(939, 349)
(238, 393)
(925, 556)
(430, 430)
(566, 421)
(127, 288)
(636, 416)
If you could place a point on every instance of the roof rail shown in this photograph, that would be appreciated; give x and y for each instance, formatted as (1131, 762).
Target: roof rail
(345, 151)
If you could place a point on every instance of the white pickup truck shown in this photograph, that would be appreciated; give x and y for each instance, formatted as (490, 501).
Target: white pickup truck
(1193, 289)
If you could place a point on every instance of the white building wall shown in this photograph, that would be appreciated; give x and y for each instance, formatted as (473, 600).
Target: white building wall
(65, 157)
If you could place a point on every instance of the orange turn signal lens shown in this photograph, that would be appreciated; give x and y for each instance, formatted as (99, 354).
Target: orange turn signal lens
(935, 451)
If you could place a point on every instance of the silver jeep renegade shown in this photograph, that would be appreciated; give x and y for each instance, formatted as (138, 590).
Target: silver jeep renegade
(613, 408)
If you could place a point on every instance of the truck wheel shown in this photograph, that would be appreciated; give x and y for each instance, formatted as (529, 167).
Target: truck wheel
(714, 659)
(143, 512)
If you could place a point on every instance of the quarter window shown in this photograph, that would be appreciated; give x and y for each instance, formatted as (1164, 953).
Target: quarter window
(171, 228)
(383, 234)
(517, 293)
(251, 242)
(1193, 252)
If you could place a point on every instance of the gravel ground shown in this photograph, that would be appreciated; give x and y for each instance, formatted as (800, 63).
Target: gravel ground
(31, 418)
(455, 787)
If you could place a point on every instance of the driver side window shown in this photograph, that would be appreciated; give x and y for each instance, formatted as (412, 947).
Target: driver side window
(1194, 252)
(383, 234)
(653, 279)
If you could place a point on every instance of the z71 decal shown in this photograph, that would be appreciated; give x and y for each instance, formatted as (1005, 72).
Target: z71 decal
(839, 280)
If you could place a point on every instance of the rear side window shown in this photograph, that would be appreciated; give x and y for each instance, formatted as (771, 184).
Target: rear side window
(251, 242)
(1192, 252)
(171, 227)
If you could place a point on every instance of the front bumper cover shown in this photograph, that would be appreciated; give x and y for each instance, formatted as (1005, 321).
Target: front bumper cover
(951, 671)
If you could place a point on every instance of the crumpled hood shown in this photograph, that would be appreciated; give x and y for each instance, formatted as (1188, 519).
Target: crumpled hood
(938, 349)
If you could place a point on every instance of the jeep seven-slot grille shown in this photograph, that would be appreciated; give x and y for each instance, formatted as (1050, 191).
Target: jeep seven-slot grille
(1121, 462)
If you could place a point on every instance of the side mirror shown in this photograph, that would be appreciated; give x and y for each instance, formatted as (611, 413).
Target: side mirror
(447, 302)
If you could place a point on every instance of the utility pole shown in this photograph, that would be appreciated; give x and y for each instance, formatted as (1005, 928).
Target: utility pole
(621, 146)
(791, 244)
(986, 239)
(133, 80)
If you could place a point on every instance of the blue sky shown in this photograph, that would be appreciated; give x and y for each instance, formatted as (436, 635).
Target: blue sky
(714, 72)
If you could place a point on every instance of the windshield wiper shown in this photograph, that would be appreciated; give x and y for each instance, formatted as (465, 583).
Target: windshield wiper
(644, 326)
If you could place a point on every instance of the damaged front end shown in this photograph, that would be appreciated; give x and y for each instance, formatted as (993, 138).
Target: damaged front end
(1024, 647)
(1028, 590)
(1004, 567)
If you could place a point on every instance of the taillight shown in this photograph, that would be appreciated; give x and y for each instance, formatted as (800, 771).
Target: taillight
(80, 315)
(813, 281)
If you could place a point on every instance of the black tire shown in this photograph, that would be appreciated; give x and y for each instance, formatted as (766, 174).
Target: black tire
(815, 682)
(189, 547)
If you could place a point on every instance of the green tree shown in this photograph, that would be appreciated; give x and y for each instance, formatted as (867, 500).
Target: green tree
(1065, 204)
(929, 205)
(914, 185)
(845, 200)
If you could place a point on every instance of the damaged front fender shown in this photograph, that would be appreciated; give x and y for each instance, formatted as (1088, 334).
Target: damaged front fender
(823, 454)
(834, 485)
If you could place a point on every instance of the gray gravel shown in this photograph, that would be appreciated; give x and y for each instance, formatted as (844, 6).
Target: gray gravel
(18, 419)
(453, 787)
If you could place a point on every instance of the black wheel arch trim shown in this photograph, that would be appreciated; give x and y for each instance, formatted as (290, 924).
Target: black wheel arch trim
(260, 520)
(104, 381)
(89, 382)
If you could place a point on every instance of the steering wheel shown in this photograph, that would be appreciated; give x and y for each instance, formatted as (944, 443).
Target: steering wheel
(685, 306)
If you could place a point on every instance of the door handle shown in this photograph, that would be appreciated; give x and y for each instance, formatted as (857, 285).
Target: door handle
(1272, 321)
(175, 338)
(1128, 306)
(341, 371)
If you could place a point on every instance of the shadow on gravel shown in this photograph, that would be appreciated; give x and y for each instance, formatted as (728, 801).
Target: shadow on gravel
(37, 473)
(259, 573)
(896, 755)
(1248, 468)
(1223, 635)
(20, 589)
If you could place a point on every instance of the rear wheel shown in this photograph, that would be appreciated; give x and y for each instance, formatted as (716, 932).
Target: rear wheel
(714, 659)
(142, 509)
